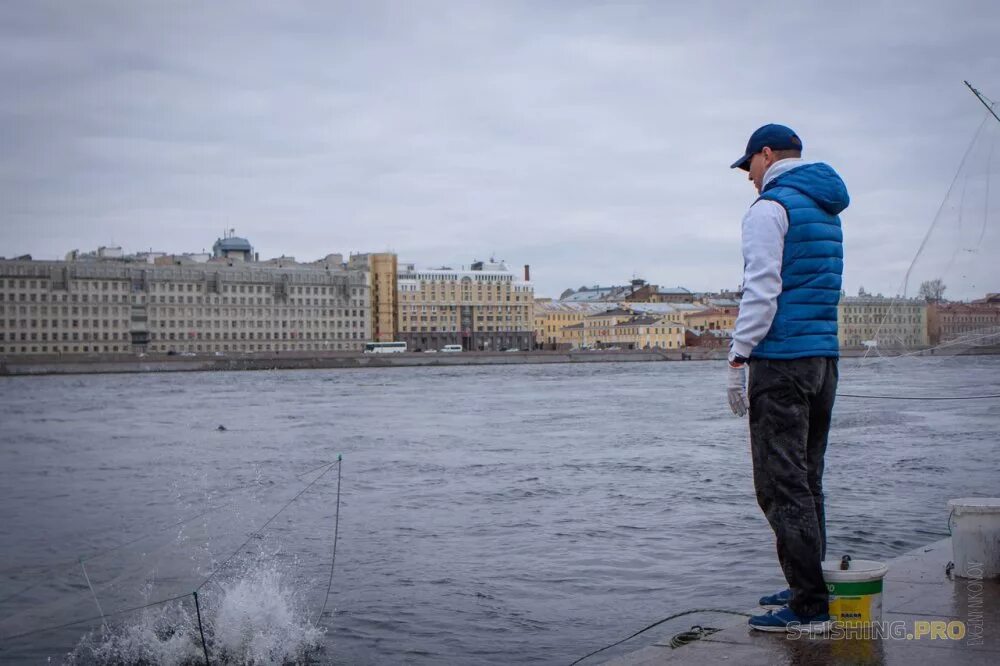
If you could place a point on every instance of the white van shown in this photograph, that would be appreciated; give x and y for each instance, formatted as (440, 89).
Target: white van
(451, 348)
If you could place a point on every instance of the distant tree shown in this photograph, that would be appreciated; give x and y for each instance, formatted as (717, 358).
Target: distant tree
(566, 294)
(932, 290)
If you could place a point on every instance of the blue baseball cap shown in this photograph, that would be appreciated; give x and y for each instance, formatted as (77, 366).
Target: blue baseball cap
(775, 137)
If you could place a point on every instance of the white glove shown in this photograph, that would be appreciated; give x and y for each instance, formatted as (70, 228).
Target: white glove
(737, 389)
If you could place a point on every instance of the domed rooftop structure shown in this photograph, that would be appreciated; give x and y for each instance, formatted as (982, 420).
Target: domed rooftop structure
(231, 246)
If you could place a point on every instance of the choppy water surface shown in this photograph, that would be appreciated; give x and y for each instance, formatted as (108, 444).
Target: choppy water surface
(497, 515)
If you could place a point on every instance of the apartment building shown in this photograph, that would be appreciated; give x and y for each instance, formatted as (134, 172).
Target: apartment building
(597, 327)
(382, 270)
(46, 308)
(713, 319)
(483, 308)
(646, 332)
(886, 322)
(552, 317)
(598, 294)
(651, 293)
(123, 306)
(976, 323)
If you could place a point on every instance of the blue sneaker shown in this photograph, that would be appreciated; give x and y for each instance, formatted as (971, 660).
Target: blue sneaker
(786, 619)
(776, 600)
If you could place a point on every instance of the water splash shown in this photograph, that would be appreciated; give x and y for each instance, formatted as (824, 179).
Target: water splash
(251, 617)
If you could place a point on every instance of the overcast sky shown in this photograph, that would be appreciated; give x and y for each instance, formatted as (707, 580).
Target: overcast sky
(589, 140)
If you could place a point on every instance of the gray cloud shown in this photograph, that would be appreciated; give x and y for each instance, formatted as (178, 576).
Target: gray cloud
(589, 140)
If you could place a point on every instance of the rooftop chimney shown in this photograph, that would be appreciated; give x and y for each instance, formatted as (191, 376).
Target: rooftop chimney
(527, 273)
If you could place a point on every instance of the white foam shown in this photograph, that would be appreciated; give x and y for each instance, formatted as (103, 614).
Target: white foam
(249, 618)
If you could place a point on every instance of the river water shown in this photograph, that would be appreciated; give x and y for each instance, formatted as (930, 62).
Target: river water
(488, 515)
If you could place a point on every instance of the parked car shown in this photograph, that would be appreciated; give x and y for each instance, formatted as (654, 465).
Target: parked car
(512, 349)
(451, 348)
(430, 351)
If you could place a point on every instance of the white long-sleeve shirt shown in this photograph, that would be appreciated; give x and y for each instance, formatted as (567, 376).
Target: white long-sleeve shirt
(764, 227)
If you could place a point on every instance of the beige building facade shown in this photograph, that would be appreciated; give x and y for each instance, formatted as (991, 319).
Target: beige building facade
(645, 332)
(382, 270)
(562, 325)
(713, 319)
(58, 307)
(597, 328)
(484, 308)
(883, 322)
(553, 317)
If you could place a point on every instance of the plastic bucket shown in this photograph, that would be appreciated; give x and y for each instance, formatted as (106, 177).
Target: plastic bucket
(975, 536)
(855, 592)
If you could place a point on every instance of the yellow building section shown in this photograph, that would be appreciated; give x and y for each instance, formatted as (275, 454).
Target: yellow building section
(383, 270)
(607, 324)
(551, 318)
(570, 337)
(714, 319)
(597, 327)
(647, 333)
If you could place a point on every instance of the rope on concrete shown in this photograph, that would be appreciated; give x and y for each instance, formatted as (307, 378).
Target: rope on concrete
(658, 623)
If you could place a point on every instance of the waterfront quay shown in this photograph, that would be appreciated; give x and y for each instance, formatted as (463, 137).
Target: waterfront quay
(918, 595)
(130, 363)
(127, 363)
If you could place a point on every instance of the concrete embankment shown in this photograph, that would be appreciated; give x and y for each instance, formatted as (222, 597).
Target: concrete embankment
(299, 361)
(128, 363)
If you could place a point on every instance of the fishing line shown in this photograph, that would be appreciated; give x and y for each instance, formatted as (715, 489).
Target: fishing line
(333, 560)
(986, 205)
(201, 627)
(301, 474)
(103, 617)
(937, 216)
(919, 397)
(66, 565)
(930, 230)
(92, 619)
(96, 601)
(961, 213)
(964, 340)
(261, 529)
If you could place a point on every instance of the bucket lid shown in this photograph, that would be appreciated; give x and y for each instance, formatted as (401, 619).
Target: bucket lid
(975, 505)
(859, 571)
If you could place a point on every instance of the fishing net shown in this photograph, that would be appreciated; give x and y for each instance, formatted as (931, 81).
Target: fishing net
(953, 280)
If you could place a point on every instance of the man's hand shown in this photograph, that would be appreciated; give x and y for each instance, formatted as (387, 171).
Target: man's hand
(737, 389)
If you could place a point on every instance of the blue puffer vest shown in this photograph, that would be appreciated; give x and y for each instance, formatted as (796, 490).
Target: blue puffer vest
(805, 323)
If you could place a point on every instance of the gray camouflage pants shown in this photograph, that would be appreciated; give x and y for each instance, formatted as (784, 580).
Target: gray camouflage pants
(790, 406)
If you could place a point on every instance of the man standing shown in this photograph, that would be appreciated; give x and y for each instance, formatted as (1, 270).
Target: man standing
(787, 333)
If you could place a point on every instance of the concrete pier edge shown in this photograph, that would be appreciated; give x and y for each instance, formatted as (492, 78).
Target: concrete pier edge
(917, 589)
